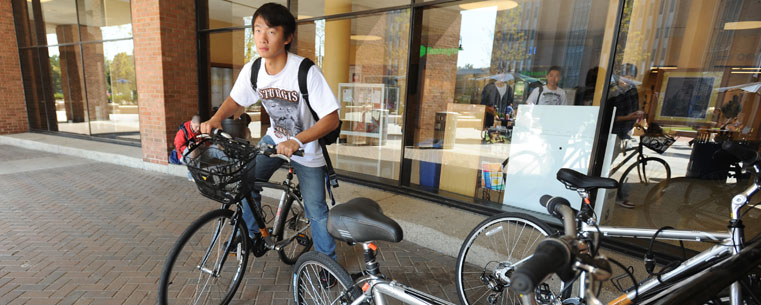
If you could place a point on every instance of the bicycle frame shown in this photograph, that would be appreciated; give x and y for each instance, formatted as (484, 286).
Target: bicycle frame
(731, 243)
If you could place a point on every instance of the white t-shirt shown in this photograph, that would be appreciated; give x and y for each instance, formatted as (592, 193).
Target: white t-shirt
(549, 97)
(281, 97)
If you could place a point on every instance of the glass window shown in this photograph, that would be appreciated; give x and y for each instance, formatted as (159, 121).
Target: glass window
(694, 95)
(228, 52)
(225, 13)
(305, 9)
(112, 90)
(59, 19)
(364, 60)
(105, 19)
(482, 134)
(67, 78)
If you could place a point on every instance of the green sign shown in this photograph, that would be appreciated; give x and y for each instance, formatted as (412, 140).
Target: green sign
(438, 51)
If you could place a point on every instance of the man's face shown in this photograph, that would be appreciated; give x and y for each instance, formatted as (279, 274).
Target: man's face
(553, 78)
(196, 127)
(270, 41)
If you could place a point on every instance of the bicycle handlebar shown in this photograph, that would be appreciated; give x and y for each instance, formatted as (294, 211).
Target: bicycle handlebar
(561, 208)
(550, 255)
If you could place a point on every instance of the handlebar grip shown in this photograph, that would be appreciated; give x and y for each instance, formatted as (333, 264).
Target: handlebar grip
(746, 155)
(299, 153)
(220, 132)
(553, 203)
(550, 255)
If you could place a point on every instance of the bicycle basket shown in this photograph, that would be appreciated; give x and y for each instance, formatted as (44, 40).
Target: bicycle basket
(658, 143)
(218, 173)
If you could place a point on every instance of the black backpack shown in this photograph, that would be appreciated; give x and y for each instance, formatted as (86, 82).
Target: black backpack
(328, 139)
(531, 86)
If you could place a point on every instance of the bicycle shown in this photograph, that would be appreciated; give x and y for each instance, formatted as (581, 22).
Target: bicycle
(358, 221)
(575, 255)
(212, 247)
(646, 170)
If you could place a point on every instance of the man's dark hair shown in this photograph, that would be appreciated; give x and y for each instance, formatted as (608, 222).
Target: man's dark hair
(277, 15)
(554, 68)
(629, 69)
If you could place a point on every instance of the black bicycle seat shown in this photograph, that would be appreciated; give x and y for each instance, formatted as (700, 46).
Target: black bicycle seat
(361, 220)
(577, 180)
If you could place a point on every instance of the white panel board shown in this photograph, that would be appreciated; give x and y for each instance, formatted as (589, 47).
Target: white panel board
(545, 139)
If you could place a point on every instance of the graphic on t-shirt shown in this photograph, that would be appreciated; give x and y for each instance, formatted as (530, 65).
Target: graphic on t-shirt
(283, 109)
(550, 98)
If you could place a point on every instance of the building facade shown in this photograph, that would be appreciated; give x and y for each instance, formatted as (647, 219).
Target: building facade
(414, 79)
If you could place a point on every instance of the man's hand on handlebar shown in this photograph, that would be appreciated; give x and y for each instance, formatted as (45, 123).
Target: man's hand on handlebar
(287, 148)
(208, 126)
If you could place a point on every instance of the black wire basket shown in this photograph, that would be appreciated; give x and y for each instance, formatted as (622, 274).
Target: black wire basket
(219, 167)
(657, 142)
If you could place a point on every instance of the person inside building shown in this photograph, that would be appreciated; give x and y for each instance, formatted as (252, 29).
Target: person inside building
(292, 124)
(497, 96)
(551, 93)
(625, 98)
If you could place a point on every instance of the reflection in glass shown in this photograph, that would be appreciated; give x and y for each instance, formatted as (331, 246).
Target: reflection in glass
(677, 76)
(364, 60)
(112, 90)
(60, 22)
(305, 9)
(480, 61)
(225, 13)
(105, 19)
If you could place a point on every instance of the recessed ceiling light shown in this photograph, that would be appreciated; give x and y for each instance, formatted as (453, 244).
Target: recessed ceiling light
(304, 17)
(365, 37)
(500, 4)
(742, 25)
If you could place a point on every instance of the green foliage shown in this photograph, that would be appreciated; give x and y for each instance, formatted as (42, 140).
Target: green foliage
(121, 73)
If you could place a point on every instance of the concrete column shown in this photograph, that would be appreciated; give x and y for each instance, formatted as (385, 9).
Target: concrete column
(12, 104)
(166, 68)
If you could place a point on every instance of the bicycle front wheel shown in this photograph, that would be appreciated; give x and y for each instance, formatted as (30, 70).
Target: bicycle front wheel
(295, 227)
(202, 268)
(492, 252)
(641, 176)
(320, 280)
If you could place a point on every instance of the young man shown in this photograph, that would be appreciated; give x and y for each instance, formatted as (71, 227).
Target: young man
(292, 124)
(551, 93)
(183, 138)
(626, 99)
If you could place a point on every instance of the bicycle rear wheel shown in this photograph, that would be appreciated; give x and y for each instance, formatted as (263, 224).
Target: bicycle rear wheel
(294, 225)
(641, 176)
(320, 280)
(490, 254)
(201, 268)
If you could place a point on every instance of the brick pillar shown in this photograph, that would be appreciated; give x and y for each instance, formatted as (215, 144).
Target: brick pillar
(166, 66)
(71, 76)
(12, 104)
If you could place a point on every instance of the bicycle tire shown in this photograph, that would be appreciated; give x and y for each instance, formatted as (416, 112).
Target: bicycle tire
(645, 171)
(469, 262)
(306, 281)
(294, 221)
(175, 283)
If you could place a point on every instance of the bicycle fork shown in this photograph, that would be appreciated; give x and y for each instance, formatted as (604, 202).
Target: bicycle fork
(215, 238)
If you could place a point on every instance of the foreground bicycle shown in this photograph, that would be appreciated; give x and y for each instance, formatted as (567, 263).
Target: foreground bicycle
(360, 220)
(576, 254)
(207, 263)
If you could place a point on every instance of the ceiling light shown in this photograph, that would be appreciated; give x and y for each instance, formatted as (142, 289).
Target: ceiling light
(365, 37)
(500, 4)
(742, 25)
(663, 68)
(304, 17)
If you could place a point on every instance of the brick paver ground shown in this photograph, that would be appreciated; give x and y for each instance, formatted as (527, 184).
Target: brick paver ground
(97, 233)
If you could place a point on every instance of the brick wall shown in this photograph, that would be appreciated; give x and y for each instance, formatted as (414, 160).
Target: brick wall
(166, 68)
(13, 117)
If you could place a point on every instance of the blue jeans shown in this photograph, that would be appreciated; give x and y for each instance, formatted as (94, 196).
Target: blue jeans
(312, 185)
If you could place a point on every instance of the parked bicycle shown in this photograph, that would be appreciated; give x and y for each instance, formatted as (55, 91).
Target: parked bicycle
(646, 171)
(575, 255)
(318, 279)
(208, 261)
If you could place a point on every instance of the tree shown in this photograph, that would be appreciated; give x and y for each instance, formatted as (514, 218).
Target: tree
(123, 79)
(55, 75)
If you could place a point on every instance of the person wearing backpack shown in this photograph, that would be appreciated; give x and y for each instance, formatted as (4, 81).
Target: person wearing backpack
(549, 94)
(303, 111)
(186, 135)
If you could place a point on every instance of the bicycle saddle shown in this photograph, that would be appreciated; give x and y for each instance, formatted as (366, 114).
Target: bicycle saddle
(574, 179)
(361, 220)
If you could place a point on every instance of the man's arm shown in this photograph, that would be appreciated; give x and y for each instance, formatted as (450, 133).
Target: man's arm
(228, 108)
(533, 98)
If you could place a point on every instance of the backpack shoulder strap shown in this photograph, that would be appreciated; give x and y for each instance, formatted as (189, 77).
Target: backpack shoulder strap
(304, 67)
(255, 71)
(184, 132)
